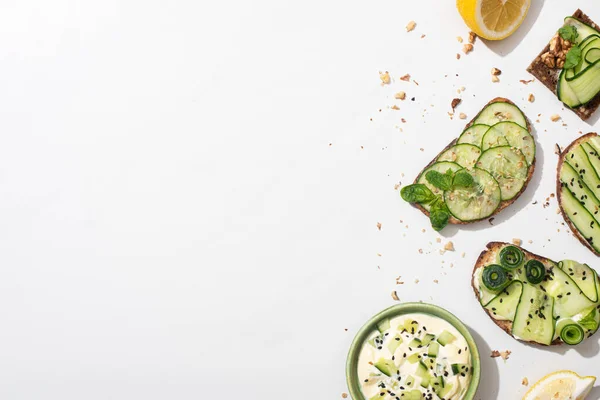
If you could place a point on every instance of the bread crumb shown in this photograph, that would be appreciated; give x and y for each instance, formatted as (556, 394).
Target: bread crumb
(400, 95)
(435, 281)
(458, 56)
(495, 79)
(554, 117)
(517, 242)
(344, 395)
(462, 116)
(462, 88)
(531, 98)
(463, 254)
(496, 71)
(525, 382)
(467, 48)
(379, 225)
(449, 246)
(395, 296)
(504, 354)
(411, 25)
(385, 78)
(416, 281)
(420, 251)
(460, 39)
(472, 37)
(405, 78)
(530, 241)
(399, 280)
(438, 240)
(524, 82)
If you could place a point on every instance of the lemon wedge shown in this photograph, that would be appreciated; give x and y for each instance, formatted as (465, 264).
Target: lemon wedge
(493, 19)
(561, 385)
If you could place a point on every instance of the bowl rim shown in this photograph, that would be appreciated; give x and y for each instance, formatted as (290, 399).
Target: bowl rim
(402, 309)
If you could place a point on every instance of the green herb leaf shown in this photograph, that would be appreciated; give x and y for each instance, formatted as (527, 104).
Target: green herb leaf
(438, 214)
(573, 57)
(440, 181)
(463, 179)
(568, 32)
(417, 193)
(589, 321)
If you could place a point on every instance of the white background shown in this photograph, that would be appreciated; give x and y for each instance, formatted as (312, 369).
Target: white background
(189, 192)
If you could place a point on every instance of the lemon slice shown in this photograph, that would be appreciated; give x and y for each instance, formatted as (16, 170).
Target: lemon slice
(561, 385)
(493, 19)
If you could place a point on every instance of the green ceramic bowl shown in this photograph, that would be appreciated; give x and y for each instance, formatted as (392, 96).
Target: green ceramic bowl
(401, 309)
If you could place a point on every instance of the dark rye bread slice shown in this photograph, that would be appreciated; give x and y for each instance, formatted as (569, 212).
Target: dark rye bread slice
(489, 256)
(503, 204)
(561, 160)
(549, 76)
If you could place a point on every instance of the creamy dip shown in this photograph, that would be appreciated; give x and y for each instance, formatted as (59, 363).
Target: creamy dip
(393, 365)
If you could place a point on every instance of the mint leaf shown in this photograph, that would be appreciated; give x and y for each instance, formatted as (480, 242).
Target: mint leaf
(463, 179)
(417, 193)
(439, 180)
(568, 32)
(573, 57)
(439, 214)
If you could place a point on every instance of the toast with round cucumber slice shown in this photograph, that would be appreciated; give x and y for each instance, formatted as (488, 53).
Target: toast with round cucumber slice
(535, 299)
(481, 172)
(578, 189)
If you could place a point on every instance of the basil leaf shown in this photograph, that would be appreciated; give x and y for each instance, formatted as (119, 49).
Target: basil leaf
(439, 214)
(417, 193)
(568, 32)
(440, 181)
(573, 57)
(589, 321)
(463, 179)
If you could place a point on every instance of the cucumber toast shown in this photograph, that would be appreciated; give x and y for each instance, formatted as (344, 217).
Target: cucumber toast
(535, 299)
(481, 172)
(578, 189)
(570, 64)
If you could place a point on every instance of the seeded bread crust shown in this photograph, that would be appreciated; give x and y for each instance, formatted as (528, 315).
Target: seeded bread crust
(503, 204)
(561, 160)
(549, 76)
(489, 256)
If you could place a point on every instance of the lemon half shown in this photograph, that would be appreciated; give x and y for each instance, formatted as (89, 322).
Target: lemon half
(493, 19)
(561, 385)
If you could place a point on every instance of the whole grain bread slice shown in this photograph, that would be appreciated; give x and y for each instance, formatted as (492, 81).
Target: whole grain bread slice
(561, 161)
(503, 204)
(549, 76)
(489, 256)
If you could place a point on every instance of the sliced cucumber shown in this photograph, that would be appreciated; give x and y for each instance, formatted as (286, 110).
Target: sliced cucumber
(569, 300)
(394, 343)
(584, 277)
(504, 306)
(460, 369)
(510, 134)
(581, 88)
(473, 134)
(465, 155)
(580, 217)
(433, 349)
(446, 338)
(508, 166)
(581, 191)
(578, 159)
(428, 338)
(583, 30)
(476, 202)
(445, 391)
(440, 167)
(387, 367)
(499, 112)
(383, 325)
(534, 320)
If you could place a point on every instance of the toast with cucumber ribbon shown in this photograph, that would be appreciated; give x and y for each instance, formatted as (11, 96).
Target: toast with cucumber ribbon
(578, 189)
(535, 299)
(481, 172)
